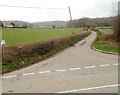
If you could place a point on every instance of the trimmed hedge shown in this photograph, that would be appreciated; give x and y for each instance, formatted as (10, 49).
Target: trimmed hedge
(106, 36)
(41, 48)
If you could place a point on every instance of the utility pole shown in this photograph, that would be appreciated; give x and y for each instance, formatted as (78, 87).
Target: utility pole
(71, 18)
(118, 19)
(118, 10)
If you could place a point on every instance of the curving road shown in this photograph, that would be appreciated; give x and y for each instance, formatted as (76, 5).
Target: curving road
(78, 69)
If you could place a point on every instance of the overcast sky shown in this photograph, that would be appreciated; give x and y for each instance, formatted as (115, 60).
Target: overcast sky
(79, 8)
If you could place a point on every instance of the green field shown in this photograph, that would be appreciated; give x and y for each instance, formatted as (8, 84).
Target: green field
(108, 30)
(103, 27)
(17, 35)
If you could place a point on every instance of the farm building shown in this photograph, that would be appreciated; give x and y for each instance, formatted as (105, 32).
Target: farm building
(1, 24)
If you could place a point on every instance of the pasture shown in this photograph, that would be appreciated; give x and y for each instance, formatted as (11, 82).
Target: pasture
(104, 27)
(18, 35)
(108, 30)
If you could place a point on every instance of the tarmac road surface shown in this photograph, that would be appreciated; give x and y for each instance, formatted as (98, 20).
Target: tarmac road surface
(78, 69)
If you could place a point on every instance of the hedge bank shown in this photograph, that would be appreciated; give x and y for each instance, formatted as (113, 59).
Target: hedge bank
(20, 55)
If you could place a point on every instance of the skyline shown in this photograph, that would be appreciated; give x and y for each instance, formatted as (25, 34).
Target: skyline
(55, 10)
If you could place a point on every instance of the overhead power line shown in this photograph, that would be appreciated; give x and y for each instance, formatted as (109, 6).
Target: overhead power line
(29, 7)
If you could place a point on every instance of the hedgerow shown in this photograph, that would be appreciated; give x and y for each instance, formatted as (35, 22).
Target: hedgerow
(19, 55)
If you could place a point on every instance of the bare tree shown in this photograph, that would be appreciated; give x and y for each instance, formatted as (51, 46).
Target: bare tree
(116, 23)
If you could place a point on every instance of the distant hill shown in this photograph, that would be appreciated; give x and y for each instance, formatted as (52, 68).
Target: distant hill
(47, 24)
(82, 22)
(50, 24)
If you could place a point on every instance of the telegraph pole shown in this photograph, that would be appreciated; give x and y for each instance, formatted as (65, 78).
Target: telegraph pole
(118, 19)
(71, 18)
(118, 12)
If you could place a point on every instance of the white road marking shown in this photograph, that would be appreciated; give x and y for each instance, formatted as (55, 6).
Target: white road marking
(115, 64)
(44, 72)
(62, 70)
(28, 74)
(89, 67)
(104, 65)
(74, 69)
(10, 77)
(76, 90)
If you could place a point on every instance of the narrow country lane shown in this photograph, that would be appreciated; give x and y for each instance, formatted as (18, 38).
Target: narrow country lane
(78, 69)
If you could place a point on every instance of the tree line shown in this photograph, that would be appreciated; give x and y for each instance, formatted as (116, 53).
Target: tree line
(90, 22)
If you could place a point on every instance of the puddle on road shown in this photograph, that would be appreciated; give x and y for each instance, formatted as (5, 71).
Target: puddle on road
(10, 91)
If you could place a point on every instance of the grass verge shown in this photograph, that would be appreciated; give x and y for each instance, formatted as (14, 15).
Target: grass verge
(98, 44)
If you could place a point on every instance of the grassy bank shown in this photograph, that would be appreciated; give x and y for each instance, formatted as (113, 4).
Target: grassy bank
(106, 45)
(34, 52)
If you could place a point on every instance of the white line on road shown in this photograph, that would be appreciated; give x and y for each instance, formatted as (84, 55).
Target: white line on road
(62, 70)
(74, 69)
(44, 72)
(28, 74)
(115, 64)
(89, 67)
(104, 65)
(10, 77)
(76, 90)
